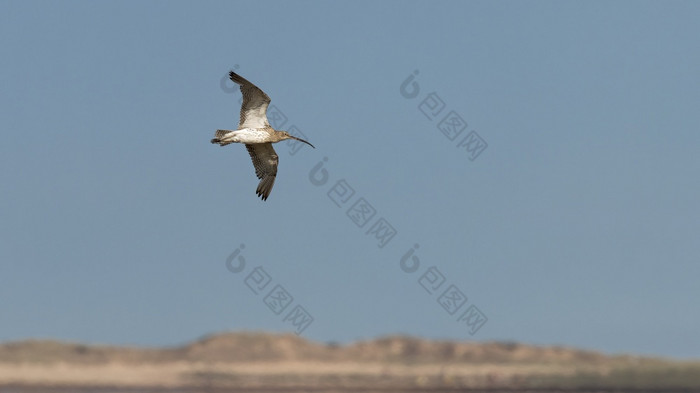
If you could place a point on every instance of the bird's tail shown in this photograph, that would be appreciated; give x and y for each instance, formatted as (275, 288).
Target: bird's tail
(218, 137)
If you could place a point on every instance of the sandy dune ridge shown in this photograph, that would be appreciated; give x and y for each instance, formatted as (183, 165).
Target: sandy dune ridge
(260, 360)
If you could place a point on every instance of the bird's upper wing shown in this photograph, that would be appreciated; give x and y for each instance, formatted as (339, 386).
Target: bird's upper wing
(265, 161)
(255, 102)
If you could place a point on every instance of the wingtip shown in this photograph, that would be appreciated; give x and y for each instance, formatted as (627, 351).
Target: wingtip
(265, 187)
(235, 77)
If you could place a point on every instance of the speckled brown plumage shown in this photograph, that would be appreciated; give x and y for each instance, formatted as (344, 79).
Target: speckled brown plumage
(256, 133)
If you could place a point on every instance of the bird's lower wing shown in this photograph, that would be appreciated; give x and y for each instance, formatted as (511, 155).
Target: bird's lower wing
(265, 161)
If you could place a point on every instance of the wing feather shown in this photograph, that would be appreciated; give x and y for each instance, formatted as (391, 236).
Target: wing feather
(265, 161)
(254, 106)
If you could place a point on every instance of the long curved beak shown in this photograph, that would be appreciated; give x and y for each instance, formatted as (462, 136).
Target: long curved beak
(301, 140)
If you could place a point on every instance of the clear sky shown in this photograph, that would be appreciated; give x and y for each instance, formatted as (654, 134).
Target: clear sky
(571, 214)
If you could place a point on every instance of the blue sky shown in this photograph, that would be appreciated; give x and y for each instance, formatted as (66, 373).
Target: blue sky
(577, 224)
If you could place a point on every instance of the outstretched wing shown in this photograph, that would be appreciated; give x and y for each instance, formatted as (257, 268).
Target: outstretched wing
(255, 102)
(265, 161)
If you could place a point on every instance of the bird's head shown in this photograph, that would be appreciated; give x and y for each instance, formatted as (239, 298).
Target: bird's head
(286, 135)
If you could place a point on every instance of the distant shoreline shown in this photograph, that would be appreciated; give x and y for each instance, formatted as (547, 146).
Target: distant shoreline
(288, 363)
(116, 389)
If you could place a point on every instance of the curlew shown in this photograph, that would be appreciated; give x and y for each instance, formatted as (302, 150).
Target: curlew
(256, 133)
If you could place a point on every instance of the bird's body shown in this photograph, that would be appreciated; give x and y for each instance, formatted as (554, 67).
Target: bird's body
(248, 135)
(256, 133)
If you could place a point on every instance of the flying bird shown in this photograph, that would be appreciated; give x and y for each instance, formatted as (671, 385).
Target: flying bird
(256, 133)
